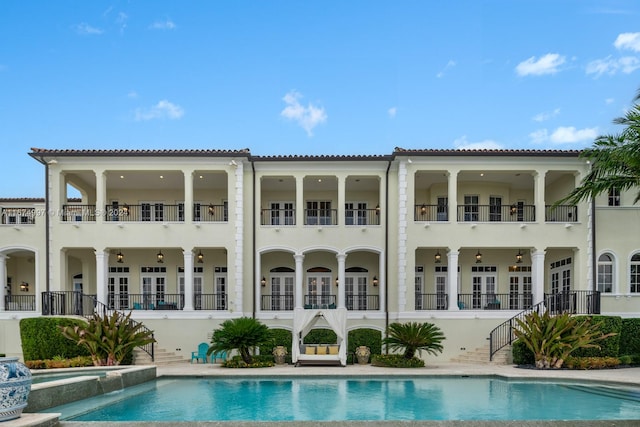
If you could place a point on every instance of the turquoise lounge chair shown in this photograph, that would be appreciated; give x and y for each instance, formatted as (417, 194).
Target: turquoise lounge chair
(221, 355)
(201, 354)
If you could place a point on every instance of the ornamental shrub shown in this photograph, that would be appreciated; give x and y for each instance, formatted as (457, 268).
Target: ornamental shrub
(364, 337)
(42, 338)
(609, 347)
(396, 361)
(630, 336)
(521, 353)
(320, 336)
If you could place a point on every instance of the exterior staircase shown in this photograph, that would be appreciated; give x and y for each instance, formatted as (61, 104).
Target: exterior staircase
(480, 356)
(162, 357)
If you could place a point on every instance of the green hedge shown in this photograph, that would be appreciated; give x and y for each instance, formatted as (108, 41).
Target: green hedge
(630, 337)
(41, 338)
(521, 354)
(365, 336)
(609, 347)
(281, 337)
(320, 336)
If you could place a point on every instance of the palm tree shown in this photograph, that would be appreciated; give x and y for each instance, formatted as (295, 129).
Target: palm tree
(414, 336)
(615, 160)
(240, 334)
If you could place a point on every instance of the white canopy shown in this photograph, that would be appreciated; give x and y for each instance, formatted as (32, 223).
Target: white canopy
(305, 319)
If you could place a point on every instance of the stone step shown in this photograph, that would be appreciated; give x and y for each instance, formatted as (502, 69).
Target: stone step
(481, 356)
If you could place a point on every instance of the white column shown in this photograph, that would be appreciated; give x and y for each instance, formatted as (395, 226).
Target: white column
(188, 198)
(300, 201)
(3, 280)
(453, 198)
(341, 201)
(537, 275)
(382, 282)
(341, 285)
(257, 282)
(452, 267)
(188, 280)
(101, 196)
(102, 274)
(299, 278)
(538, 191)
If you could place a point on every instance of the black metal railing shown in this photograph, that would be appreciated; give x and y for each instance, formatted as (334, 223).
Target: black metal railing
(152, 212)
(79, 213)
(496, 213)
(212, 302)
(319, 301)
(561, 213)
(574, 302)
(280, 217)
(210, 213)
(493, 301)
(149, 301)
(19, 302)
(431, 213)
(320, 217)
(362, 216)
(277, 302)
(362, 302)
(74, 303)
(438, 301)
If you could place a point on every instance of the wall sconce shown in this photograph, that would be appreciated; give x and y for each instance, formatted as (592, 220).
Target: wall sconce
(125, 209)
(423, 209)
(378, 209)
(478, 258)
(119, 257)
(438, 258)
(337, 282)
(24, 287)
(263, 282)
(519, 257)
(375, 281)
(160, 257)
(212, 209)
(513, 210)
(200, 257)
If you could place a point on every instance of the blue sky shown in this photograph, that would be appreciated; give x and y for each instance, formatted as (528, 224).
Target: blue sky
(309, 77)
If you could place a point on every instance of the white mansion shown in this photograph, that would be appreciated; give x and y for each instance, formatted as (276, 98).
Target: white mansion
(186, 239)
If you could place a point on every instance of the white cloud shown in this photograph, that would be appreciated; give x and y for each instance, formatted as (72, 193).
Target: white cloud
(463, 144)
(611, 66)
(609, 101)
(449, 65)
(306, 117)
(86, 29)
(569, 134)
(163, 25)
(162, 110)
(629, 41)
(547, 115)
(547, 64)
(392, 112)
(121, 20)
(540, 136)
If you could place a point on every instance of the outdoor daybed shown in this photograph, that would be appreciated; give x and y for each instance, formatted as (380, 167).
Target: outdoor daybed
(319, 354)
(303, 321)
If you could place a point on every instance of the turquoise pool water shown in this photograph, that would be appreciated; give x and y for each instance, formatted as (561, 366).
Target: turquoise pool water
(333, 399)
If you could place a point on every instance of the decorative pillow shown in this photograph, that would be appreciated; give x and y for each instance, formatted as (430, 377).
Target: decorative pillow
(333, 349)
(322, 350)
(310, 350)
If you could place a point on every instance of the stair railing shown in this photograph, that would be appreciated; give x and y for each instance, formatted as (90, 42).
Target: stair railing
(75, 303)
(502, 335)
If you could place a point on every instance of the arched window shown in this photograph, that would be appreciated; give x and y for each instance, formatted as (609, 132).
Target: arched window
(634, 270)
(605, 273)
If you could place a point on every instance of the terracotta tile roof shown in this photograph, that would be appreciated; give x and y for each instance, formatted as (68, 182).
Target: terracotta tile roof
(398, 151)
(21, 200)
(136, 153)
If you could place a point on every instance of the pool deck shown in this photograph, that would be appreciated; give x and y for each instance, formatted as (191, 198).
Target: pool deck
(629, 376)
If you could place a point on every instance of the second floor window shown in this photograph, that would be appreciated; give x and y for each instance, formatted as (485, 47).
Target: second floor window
(605, 273)
(614, 197)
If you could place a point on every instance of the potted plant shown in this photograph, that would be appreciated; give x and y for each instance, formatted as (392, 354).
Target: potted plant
(362, 353)
(279, 354)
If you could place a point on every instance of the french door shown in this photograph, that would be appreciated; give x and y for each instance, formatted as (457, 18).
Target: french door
(319, 290)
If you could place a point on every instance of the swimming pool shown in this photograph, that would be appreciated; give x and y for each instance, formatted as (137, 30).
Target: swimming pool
(349, 399)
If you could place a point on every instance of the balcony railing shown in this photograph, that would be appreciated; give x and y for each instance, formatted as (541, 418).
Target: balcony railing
(319, 301)
(362, 216)
(432, 301)
(68, 303)
(79, 213)
(320, 217)
(574, 302)
(17, 216)
(280, 217)
(431, 213)
(496, 213)
(152, 212)
(362, 302)
(209, 213)
(20, 302)
(561, 213)
(493, 301)
(277, 302)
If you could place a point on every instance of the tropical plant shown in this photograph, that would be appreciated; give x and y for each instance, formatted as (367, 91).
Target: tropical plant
(109, 338)
(242, 334)
(414, 336)
(552, 339)
(615, 160)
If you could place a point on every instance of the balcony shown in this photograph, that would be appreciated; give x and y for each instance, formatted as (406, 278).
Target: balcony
(171, 302)
(160, 212)
(362, 216)
(279, 217)
(18, 216)
(78, 213)
(476, 301)
(363, 302)
(277, 303)
(431, 213)
(496, 213)
(320, 217)
(19, 302)
(561, 213)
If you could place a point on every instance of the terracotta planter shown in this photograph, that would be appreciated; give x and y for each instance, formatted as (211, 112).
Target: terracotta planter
(15, 385)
